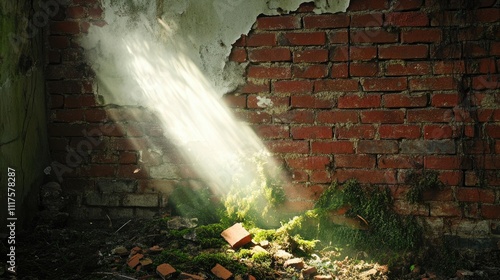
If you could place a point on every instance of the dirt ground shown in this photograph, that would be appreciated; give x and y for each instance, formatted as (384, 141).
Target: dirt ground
(89, 250)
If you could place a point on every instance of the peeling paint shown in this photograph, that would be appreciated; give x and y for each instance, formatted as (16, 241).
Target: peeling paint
(205, 29)
(264, 102)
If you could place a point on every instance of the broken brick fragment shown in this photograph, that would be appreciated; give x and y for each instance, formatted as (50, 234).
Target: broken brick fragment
(155, 249)
(236, 236)
(135, 250)
(134, 260)
(251, 277)
(165, 270)
(295, 263)
(308, 271)
(221, 272)
(323, 277)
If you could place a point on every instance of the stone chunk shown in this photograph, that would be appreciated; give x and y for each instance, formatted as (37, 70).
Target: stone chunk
(120, 250)
(221, 272)
(165, 270)
(295, 263)
(236, 236)
(308, 271)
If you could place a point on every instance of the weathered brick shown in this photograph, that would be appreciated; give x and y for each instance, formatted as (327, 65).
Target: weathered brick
(403, 52)
(367, 20)
(428, 147)
(310, 71)
(442, 162)
(340, 70)
(304, 39)
(384, 84)
(364, 69)
(410, 68)
(272, 131)
(382, 116)
(278, 22)
(376, 35)
(377, 147)
(141, 200)
(334, 147)
(311, 101)
(429, 115)
(302, 86)
(362, 52)
(116, 185)
(255, 101)
(326, 21)
(404, 19)
(403, 5)
(261, 39)
(434, 83)
(354, 161)
(363, 131)
(356, 101)
(475, 195)
(399, 161)
(428, 35)
(372, 176)
(295, 116)
(397, 100)
(360, 5)
(264, 72)
(310, 56)
(399, 131)
(312, 132)
(336, 85)
(439, 131)
(287, 146)
(309, 163)
(337, 116)
(238, 55)
(275, 54)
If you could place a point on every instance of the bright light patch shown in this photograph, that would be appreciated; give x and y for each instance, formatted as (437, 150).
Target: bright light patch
(191, 112)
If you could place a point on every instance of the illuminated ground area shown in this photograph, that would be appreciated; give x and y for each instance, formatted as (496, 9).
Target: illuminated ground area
(84, 251)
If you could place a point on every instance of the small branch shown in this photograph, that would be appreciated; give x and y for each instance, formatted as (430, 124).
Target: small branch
(123, 226)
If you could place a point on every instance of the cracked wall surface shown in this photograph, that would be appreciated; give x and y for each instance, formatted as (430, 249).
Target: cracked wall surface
(23, 132)
(202, 30)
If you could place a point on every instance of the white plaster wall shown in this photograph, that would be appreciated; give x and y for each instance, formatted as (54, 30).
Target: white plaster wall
(202, 30)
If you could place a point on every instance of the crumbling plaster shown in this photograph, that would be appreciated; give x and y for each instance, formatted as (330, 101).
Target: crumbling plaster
(202, 30)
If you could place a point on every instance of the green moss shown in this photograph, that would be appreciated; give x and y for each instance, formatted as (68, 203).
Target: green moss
(209, 235)
(195, 204)
(421, 181)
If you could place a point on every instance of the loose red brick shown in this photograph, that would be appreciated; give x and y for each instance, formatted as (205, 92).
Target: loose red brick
(334, 147)
(399, 161)
(275, 54)
(445, 100)
(376, 35)
(363, 69)
(287, 146)
(442, 162)
(337, 116)
(363, 53)
(403, 5)
(265, 72)
(356, 101)
(309, 163)
(293, 86)
(434, 131)
(434, 83)
(475, 195)
(311, 101)
(261, 39)
(310, 71)
(429, 115)
(409, 68)
(278, 22)
(236, 235)
(326, 21)
(399, 131)
(238, 55)
(404, 19)
(221, 272)
(378, 147)
(403, 52)
(336, 85)
(312, 132)
(428, 35)
(363, 131)
(382, 116)
(360, 5)
(165, 270)
(340, 36)
(384, 84)
(295, 116)
(305, 39)
(340, 70)
(272, 131)
(397, 100)
(367, 20)
(64, 27)
(354, 161)
(310, 56)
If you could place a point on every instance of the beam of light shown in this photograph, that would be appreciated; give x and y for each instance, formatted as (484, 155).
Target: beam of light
(192, 114)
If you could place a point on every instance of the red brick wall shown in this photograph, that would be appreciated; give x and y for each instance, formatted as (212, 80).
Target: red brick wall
(387, 88)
